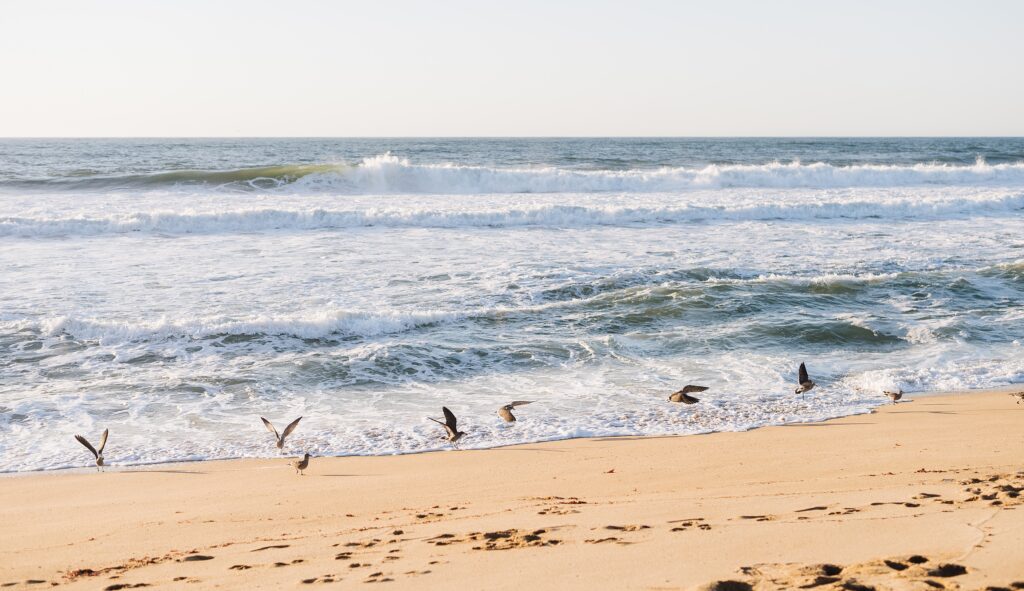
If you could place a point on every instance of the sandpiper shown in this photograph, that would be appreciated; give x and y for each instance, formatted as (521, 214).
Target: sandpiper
(684, 394)
(97, 453)
(302, 464)
(805, 383)
(287, 431)
(449, 425)
(1018, 395)
(894, 396)
(505, 412)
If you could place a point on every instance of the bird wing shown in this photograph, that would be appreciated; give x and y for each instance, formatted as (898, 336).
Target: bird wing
(103, 440)
(449, 419)
(87, 445)
(519, 403)
(688, 388)
(438, 421)
(291, 427)
(803, 374)
(270, 427)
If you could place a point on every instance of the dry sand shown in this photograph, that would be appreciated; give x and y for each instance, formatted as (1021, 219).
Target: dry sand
(936, 477)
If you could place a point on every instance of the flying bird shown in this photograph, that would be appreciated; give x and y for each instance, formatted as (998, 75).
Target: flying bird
(894, 396)
(505, 412)
(287, 431)
(98, 454)
(684, 394)
(805, 383)
(450, 426)
(302, 464)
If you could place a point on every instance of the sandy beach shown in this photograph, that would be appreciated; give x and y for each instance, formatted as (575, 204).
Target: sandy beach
(918, 495)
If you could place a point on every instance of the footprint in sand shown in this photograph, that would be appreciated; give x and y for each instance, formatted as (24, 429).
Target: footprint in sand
(627, 527)
(274, 547)
(195, 558)
(600, 541)
(685, 524)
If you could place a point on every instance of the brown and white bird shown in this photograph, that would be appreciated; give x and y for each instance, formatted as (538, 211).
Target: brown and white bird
(97, 453)
(684, 394)
(804, 383)
(301, 465)
(894, 396)
(1018, 395)
(279, 439)
(505, 412)
(450, 425)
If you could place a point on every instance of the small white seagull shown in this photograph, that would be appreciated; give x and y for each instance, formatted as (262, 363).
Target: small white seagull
(279, 439)
(97, 453)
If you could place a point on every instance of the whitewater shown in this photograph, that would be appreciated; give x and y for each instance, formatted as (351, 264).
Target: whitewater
(175, 290)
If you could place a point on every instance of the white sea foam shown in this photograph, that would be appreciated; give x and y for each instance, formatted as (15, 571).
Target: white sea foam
(511, 215)
(390, 174)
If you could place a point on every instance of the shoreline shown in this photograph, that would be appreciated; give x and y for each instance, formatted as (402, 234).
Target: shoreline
(909, 397)
(940, 477)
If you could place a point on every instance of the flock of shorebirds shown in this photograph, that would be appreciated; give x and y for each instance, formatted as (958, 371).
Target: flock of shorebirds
(451, 428)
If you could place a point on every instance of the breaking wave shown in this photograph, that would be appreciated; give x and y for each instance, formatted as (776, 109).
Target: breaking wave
(545, 215)
(389, 174)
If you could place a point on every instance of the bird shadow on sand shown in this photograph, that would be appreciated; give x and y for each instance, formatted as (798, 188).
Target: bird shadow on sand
(559, 451)
(197, 472)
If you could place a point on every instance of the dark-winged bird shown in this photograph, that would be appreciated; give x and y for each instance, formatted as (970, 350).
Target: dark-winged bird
(97, 453)
(279, 439)
(684, 394)
(450, 425)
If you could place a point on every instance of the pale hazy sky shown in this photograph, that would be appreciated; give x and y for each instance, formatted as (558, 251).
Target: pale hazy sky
(478, 68)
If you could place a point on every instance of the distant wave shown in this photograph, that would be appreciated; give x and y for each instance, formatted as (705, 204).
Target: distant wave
(269, 219)
(307, 326)
(388, 174)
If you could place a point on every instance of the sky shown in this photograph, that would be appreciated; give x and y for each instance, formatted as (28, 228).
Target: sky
(514, 68)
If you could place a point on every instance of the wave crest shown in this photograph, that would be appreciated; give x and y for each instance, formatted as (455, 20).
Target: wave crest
(268, 219)
(389, 174)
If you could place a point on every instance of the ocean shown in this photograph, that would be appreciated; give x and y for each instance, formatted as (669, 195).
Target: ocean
(175, 290)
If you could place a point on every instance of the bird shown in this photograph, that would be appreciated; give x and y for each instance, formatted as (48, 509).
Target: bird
(894, 396)
(684, 394)
(302, 464)
(1018, 395)
(805, 383)
(505, 412)
(449, 425)
(97, 453)
(287, 431)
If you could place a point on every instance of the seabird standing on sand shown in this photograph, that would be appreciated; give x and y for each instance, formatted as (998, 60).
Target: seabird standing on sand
(287, 431)
(97, 453)
(302, 464)
(684, 394)
(805, 383)
(450, 426)
(1018, 395)
(894, 396)
(505, 412)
